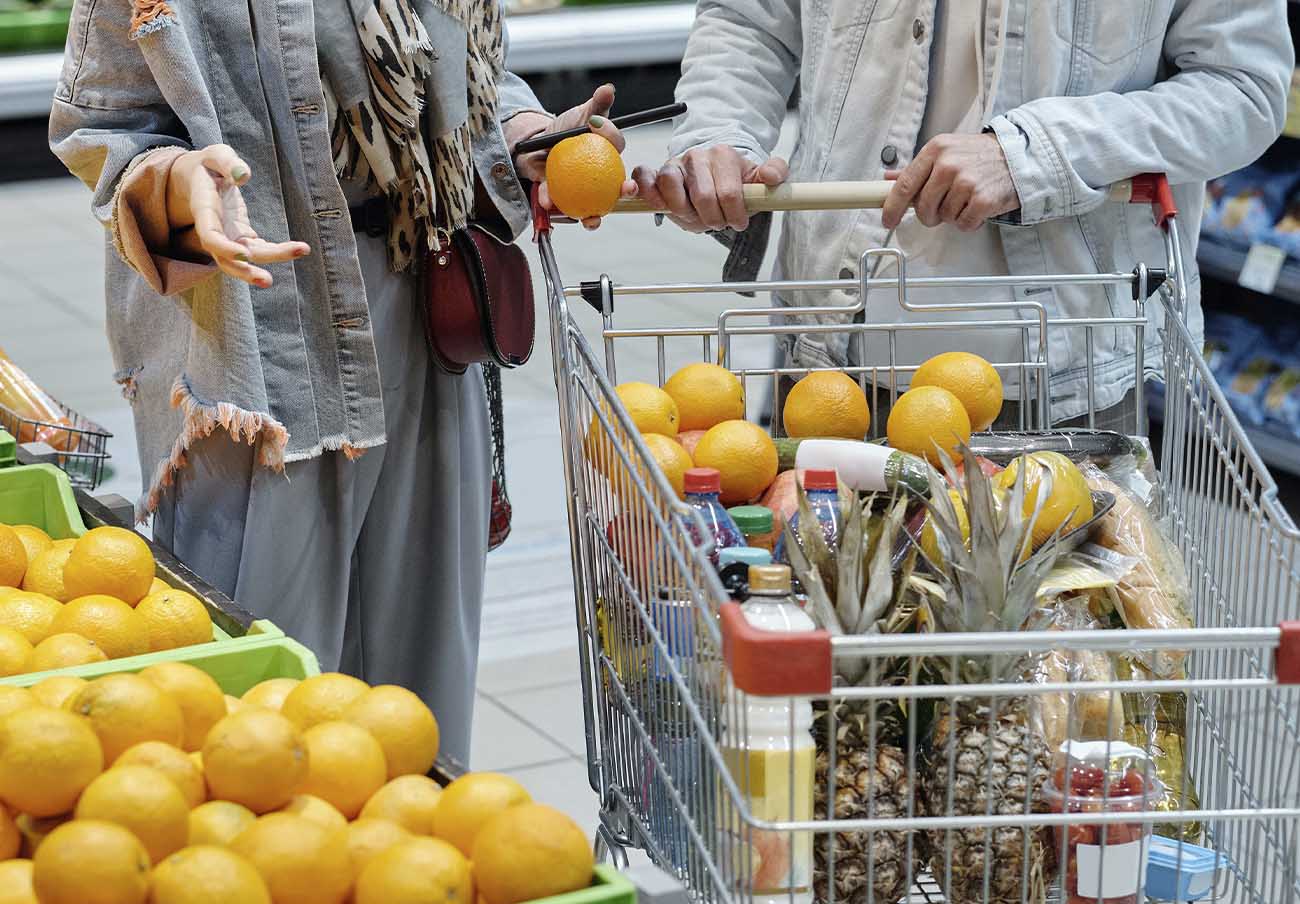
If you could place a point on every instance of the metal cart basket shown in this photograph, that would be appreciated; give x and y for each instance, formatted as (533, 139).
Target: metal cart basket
(669, 668)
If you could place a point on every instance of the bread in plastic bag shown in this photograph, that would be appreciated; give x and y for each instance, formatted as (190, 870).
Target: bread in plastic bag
(1155, 591)
(1081, 715)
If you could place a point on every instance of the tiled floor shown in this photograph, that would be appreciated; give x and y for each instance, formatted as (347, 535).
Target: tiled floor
(529, 719)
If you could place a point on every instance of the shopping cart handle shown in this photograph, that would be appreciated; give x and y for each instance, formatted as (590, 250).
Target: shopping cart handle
(772, 664)
(1153, 189)
(795, 196)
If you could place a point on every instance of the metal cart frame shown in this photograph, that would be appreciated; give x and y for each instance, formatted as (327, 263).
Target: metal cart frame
(655, 671)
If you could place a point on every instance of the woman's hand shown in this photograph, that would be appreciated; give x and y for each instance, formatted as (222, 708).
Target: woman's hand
(208, 218)
(702, 189)
(594, 114)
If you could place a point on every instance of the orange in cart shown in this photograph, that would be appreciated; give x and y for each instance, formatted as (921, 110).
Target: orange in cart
(706, 395)
(928, 419)
(743, 454)
(971, 379)
(826, 403)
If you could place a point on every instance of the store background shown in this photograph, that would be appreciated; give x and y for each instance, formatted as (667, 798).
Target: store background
(529, 720)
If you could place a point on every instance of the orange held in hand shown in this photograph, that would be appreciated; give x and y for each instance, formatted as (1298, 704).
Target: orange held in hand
(584, 176)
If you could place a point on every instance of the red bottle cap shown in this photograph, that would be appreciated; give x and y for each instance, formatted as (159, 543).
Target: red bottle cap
(702, 480)
(818, 479)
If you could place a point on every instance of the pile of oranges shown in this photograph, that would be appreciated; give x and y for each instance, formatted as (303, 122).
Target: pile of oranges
(78, 601)
(158, 787)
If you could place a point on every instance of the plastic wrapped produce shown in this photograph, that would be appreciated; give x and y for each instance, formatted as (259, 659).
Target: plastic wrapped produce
(1155, 591)
(1080, 716)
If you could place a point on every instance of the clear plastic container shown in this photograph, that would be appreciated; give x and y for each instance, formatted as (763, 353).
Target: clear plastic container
(1104, 864)
(773, 765)
(703, 487)
(823, 489)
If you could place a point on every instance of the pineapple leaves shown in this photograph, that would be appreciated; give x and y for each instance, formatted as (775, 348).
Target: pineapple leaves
(819, 603)
(880, 584)
(848, 594)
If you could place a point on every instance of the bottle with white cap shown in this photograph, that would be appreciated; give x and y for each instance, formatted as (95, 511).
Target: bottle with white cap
(771, 754)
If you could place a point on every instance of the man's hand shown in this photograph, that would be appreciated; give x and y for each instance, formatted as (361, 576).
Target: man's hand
(594, 114)
(208, 218)
(701, 190)
(958, 179)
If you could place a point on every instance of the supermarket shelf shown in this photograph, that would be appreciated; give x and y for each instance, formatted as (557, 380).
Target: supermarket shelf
(1224, 262)
(575, 38)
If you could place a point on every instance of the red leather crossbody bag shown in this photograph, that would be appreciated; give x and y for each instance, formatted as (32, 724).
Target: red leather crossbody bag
(478, 302)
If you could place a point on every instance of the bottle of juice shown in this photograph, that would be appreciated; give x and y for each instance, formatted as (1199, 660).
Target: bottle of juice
(703, 487)
(756, 523)
(823, 489)
(771, 756)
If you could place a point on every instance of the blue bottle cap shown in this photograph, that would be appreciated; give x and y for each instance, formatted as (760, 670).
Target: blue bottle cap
(747, 555)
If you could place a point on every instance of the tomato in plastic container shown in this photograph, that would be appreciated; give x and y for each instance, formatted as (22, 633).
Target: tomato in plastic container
(1103, 862)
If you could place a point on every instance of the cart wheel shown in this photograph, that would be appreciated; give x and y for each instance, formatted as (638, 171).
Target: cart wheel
(608, 849)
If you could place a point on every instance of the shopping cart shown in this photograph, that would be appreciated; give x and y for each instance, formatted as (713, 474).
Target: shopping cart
(668, 663)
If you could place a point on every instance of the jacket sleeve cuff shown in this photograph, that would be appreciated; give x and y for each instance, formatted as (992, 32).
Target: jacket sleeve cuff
(141, 232)
(1036, 170)
(742, 144)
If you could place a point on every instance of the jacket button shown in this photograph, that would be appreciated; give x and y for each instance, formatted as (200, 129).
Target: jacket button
(889, 155)
(500, 171)
(918, 30)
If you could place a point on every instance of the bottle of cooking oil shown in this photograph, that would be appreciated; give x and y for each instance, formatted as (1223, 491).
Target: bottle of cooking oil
(769, 750)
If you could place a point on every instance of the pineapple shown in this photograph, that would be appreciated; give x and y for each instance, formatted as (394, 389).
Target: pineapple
(871, 776)
(985, 755)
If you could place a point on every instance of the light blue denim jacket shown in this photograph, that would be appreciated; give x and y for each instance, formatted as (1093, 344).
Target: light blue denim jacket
(1088, 93)
(292, 367)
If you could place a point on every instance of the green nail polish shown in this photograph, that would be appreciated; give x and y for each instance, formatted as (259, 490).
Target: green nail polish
(596, 122)
(239, 173)
(242, 257)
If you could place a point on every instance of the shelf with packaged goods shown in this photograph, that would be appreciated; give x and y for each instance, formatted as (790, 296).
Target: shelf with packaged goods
(1224, 262)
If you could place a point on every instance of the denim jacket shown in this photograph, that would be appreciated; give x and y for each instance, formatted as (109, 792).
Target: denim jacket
(291, 368)
(1084, 94)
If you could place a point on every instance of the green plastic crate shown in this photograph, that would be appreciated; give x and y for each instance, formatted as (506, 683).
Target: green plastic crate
(41, 495)
(607, 887)
(33, 29)
(235, 667)
(8, 449)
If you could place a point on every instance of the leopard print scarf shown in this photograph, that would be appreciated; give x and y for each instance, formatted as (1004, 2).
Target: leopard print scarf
(429, 184)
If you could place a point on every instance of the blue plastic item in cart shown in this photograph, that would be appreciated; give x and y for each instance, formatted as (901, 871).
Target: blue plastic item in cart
(1178, 871)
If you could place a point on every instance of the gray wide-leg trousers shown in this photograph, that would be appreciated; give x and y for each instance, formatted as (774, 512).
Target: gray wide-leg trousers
(375, 564)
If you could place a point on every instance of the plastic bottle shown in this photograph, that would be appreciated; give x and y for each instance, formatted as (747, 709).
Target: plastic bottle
(734, 564)
(823, 491)
(703, 486)
(756, 523)
(771, 748)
